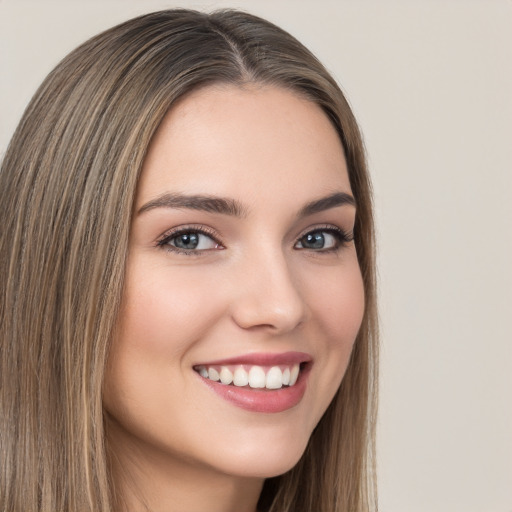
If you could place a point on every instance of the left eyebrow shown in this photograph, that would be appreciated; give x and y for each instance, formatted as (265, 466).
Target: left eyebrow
(326, 203)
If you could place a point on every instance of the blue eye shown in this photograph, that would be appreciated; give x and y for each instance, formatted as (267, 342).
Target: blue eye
(189, 240)
(323, 240)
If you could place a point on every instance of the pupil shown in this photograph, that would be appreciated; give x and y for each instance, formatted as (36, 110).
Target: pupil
(187, 241)
(315, 241)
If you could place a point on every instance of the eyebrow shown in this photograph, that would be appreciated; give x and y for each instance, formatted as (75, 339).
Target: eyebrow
(326, 203)
(206, 203)
(232, 207)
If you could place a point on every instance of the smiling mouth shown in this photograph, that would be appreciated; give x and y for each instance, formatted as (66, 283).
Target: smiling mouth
(259, 382)
(252, 376)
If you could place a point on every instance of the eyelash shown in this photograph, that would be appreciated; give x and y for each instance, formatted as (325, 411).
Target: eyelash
(342, 237)
(165, 240)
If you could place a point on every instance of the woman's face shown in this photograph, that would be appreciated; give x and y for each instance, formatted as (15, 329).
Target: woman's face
(241, 267)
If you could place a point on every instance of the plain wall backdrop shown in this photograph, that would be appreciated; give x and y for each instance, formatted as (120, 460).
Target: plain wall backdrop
(430, 82)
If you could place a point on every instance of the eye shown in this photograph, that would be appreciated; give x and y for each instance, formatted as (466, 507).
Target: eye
(188, 241)
(326, 240)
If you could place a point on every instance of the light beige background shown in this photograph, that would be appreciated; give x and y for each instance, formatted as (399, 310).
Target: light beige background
(431, 84)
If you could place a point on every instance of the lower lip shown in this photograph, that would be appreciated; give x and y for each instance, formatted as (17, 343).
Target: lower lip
(261, 400)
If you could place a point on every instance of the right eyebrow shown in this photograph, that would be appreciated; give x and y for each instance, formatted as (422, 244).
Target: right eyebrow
(206, 203)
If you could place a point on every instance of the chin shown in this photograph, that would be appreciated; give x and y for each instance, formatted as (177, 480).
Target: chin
(267, 461)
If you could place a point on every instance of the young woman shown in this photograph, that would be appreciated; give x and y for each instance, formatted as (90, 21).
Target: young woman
(187, 262)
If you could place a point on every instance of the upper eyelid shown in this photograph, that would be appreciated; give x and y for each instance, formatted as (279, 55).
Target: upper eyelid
(324, 227)
(176, 231)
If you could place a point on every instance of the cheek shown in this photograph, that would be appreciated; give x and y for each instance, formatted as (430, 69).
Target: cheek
(165, 310)
(347, 310)
(338, 304)
(164, 313)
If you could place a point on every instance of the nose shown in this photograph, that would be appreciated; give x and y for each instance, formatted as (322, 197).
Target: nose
(268, 295)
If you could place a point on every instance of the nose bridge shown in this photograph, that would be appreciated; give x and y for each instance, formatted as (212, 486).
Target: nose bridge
(269, 292)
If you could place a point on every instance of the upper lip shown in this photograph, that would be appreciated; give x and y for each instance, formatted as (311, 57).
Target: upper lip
(262, 359)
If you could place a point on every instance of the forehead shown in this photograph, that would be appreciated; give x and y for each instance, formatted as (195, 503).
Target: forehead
(238, 141)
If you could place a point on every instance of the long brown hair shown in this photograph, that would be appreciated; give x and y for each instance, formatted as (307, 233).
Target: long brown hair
(68, 182)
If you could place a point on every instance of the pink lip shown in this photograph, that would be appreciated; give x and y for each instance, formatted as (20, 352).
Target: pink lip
(263, 400)
(263, 359)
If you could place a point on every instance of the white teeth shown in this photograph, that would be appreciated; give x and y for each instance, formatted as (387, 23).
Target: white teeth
(294, 373)
(213, 374)
(256, 377)
(241, 377)
(226, 377)
(274, 378)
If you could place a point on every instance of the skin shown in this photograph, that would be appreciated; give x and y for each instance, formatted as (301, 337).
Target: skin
(253, 287)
